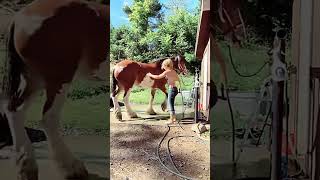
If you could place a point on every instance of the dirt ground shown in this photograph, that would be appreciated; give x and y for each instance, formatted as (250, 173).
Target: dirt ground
(134, 142)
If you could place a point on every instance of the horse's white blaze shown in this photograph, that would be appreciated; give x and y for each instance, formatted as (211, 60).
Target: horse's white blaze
(146, 82)
(29, 24)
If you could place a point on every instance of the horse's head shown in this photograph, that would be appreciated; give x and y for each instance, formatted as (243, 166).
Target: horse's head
(179, 63)
(230, 21)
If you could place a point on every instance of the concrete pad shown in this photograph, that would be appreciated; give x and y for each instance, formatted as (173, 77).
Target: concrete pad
(90, 149)
(253, 162)
(157, 119)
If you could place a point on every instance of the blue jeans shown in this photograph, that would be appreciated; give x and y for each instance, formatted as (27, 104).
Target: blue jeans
(173, 91)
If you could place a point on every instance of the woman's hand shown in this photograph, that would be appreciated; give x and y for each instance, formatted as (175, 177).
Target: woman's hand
(149, 74)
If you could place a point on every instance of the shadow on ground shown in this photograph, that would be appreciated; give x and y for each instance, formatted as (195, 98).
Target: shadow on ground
(96, 177)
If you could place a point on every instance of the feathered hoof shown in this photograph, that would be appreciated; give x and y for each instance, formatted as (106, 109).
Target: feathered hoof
(78, 171)
(28, 170)
(133, 115)
(151, 112)
(118, 115)
(164, 107)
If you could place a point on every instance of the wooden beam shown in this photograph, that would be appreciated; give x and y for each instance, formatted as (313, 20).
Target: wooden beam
(294, 78)
(315, 73)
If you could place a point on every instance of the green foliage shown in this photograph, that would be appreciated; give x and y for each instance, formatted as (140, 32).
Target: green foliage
(175, 35)
(86, 89)
(178, 34)
(264, 17)
(144, 15)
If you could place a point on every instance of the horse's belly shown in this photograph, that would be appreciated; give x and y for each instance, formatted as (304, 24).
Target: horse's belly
(146, 82)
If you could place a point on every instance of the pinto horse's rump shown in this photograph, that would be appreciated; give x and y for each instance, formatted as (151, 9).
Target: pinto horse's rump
(50, 42)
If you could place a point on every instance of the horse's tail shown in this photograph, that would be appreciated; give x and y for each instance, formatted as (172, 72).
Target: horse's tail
(114, 84)
(13, 67)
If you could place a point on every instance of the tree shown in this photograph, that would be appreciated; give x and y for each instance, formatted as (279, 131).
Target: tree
(119, 42)
(176, 34)
(144, 14)
(176, 4)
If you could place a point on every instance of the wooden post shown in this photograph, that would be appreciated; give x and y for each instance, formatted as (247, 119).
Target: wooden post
(316, 64)
(305, 56)
(196, 102)
(279, 75)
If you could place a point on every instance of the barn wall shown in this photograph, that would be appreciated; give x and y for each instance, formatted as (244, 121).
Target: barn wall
(316, 85)
(306, 54)
(205, 78)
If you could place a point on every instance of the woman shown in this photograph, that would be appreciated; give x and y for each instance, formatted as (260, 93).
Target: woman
(172, 76)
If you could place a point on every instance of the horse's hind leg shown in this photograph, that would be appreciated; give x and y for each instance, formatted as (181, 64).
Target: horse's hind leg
(116, 107)
(71, 167)
(130, 112)
(150, 110)
(16, 113)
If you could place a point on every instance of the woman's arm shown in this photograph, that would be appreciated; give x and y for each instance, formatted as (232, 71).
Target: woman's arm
(160, 76)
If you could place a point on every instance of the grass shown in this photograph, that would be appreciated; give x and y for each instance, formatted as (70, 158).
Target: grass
(87, 113)
(248, 61)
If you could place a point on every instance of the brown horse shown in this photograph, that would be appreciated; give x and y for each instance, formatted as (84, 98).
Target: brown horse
(128, 73)
(50, 43)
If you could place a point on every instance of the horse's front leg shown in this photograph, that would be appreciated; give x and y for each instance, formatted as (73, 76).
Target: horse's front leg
(130, 112)
(164, 104)
(150, 110)
(71, 167)
(27, 168)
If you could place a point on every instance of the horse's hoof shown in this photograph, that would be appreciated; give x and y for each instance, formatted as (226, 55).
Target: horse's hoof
(77, 171)
(151, 112)
(133, 115)
(118, 115)
(164, 107)
(27, 169)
